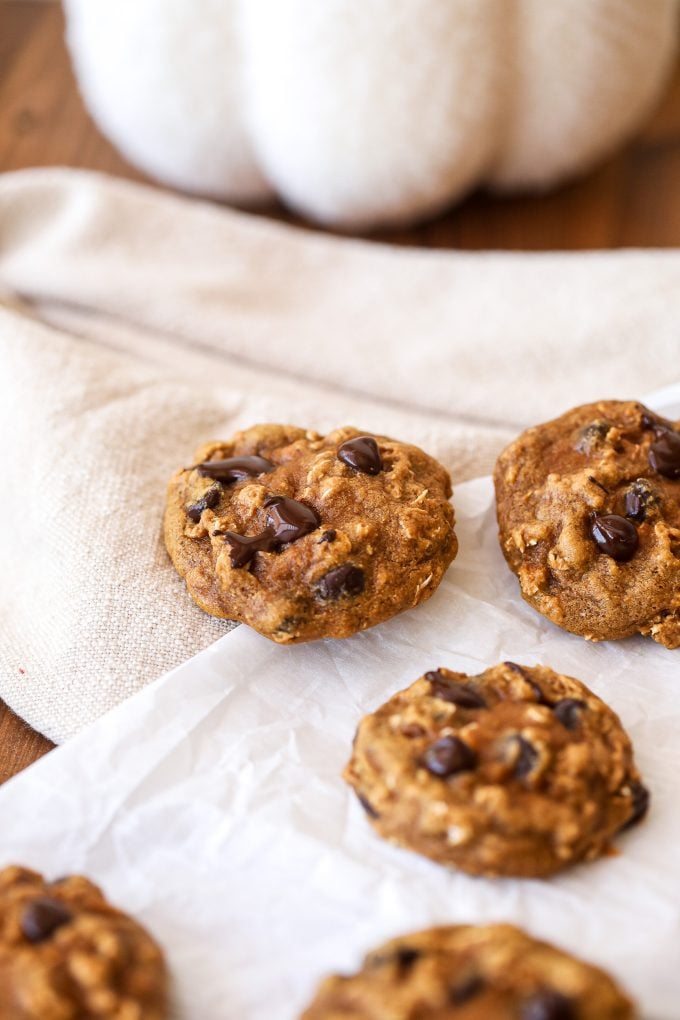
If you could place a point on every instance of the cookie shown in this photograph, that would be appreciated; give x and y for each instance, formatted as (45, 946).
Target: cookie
(518, 771)
(469, 972)
(67, 954)
(589, 520)
(304, 536)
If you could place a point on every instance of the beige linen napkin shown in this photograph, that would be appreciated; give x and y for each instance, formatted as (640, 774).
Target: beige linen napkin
(137, 324)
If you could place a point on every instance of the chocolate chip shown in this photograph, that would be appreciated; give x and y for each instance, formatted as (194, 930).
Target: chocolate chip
(593, 436)
(568, 711)
(362, 454)
(328, 536)
(243, 547)
(639, 498)
(208, 501)
(453, 691)
(344, 580)
(290, 519)
(664, 454)
(548, 1006)
(526, 759)
(447, 756)
(287, 520)
(41, 917)
(405, 957)
(648, 420)
(234, 469)
(640, 798)
(367, 806)
(615, 536)
(465, 989)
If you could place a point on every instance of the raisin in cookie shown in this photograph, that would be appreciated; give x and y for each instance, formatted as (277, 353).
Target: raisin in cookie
(589, 518)
(518, 771)
(467, 972)
(66, 954)
(305, 536)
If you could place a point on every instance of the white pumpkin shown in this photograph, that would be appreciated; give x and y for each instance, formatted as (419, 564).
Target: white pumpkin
(361, 112)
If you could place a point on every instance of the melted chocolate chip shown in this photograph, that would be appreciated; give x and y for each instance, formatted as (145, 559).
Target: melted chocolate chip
(568, 711)
(290, 519)
(367, 806)
(593, 435)
(328, 536)
(41, 917)
(447, 756)
(615, 536)
(641, 798)
(362, 454)
(344, 580)
(466, 989)
(548, 1006)
(526, 759)
(453, 691)
(639, 498)
(208, 501)
(287, 520)
(235, 469)
(664, 454)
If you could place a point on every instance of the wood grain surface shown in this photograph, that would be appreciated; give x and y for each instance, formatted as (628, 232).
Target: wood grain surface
(631, 200)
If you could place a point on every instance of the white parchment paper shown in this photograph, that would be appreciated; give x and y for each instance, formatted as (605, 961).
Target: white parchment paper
(210, 805)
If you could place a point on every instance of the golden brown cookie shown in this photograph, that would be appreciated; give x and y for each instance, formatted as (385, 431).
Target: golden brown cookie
(518, 771)
(589, 518)
(305, 536)
(467, 972)
(67, 954)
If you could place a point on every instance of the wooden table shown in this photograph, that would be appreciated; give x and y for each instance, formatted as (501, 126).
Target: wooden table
(632, 200)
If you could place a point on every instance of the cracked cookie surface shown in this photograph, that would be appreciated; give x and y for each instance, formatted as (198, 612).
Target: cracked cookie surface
(304, 536)
(67, 954)
(518, 771)
(589, 520)
(468, 972)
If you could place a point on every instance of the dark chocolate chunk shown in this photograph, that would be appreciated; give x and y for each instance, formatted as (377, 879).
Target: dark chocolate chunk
(405, 957)
(664, 454)
(568, 711)
(548, 1005)
(208, 501)
(235, 469)
(526, 759)
(639, 498)
(243, 547)
(362, 454)
(41, 917)
(593, 436)
(290, 519)
(615, 536)
(641, 800)
(287, 520)
(466, 988)
(328, 536)
(447, 756)
(367, 806)
(344, 580)
(454, 691)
